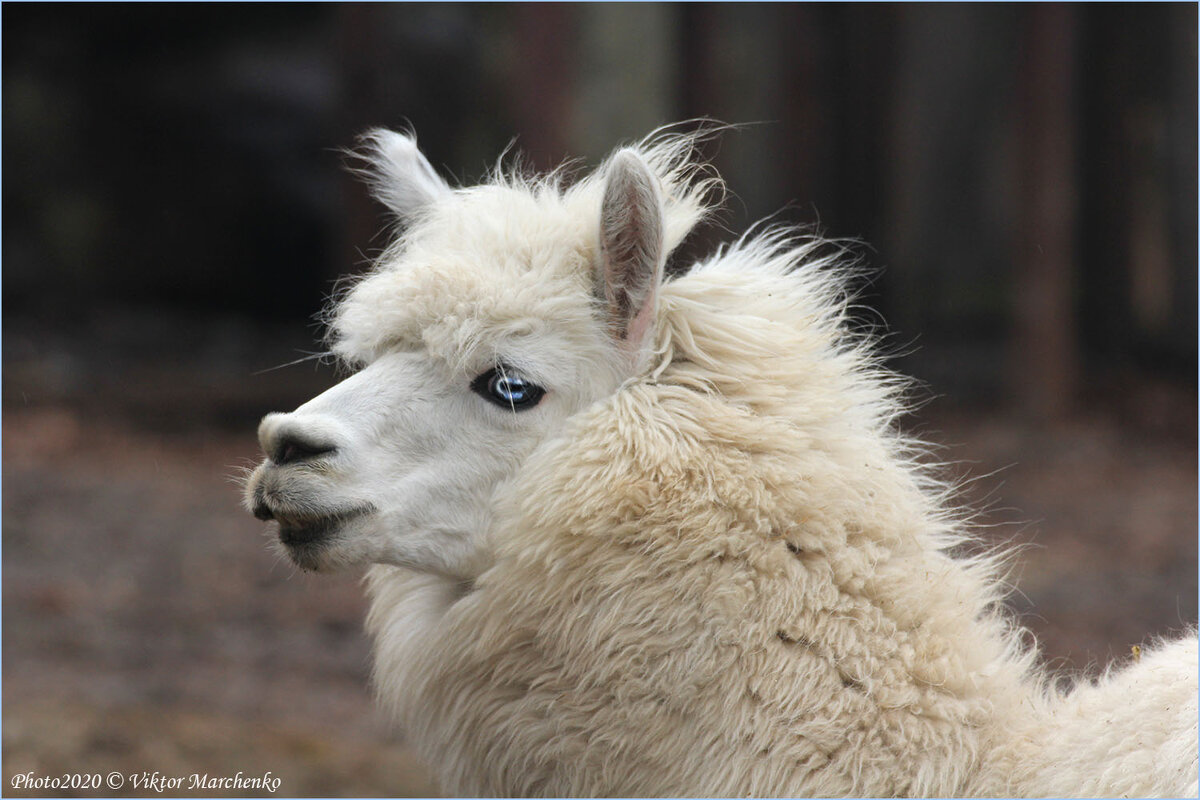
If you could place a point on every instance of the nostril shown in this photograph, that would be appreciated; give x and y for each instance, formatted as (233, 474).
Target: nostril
(292, 448)
(258, 504)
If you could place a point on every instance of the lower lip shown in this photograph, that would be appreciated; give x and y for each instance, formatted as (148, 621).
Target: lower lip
(296, 537)
(313, 531)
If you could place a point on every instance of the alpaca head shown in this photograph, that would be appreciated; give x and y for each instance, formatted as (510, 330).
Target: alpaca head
(500, 311)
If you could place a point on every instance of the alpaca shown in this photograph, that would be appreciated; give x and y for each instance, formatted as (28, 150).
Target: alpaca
(636, 536)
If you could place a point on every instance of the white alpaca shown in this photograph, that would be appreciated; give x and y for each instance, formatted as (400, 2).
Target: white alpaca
(635, 537)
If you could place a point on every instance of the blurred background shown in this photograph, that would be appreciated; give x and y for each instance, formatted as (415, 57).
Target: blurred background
(1022, 178)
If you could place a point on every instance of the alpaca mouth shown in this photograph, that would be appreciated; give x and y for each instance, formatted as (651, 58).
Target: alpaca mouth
(300, 528)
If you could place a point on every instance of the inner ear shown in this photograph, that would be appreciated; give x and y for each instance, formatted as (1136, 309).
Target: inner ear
(631, 248)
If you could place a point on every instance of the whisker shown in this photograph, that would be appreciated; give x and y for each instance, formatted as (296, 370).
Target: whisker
(301, 360)
(504, 375)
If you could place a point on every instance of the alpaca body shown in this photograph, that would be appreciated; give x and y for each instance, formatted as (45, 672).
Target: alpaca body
(693, 557)
(1132, 733)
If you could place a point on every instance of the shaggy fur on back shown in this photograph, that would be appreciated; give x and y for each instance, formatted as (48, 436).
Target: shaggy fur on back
(730, 577)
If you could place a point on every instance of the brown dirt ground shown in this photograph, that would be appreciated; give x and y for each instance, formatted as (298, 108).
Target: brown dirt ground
(147, 626)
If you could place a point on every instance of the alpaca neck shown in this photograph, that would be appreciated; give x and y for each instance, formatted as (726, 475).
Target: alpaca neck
(782, 603)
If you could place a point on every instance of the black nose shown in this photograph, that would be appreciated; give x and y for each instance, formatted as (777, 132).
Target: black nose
(292, 447)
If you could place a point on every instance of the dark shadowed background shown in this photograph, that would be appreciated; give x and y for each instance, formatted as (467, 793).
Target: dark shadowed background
(1023, 179)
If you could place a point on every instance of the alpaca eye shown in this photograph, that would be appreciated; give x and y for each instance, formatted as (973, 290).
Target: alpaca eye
(507, 389)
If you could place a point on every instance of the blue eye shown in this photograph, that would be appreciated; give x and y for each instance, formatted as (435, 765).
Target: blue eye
(507, 389)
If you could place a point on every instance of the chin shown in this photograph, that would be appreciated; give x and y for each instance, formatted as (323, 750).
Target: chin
(309, 557)
(335, 550)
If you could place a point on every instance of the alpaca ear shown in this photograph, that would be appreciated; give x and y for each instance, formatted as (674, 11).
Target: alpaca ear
(631, 248)
(400, 177)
